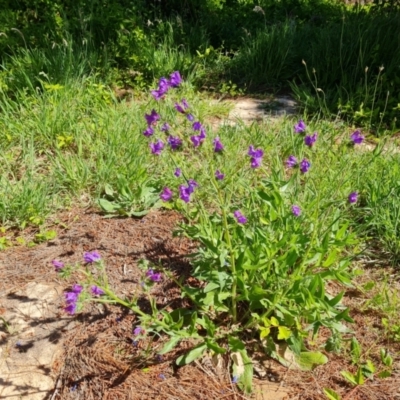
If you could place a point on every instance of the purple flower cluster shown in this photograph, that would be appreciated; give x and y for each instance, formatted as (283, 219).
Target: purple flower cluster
(151, 119)
(240, 218)
(166, 194)
(91, 257)
(138, 330)
(174, 141)
(353, 197)
(219, 175)
(182, 108)
(197, 140)
(309, 140)
(165, 127)
(218, 146)
(356, 137)
(164, 84)
(291, 162)
(71, 298)
(58, 265)
(300, 127)
(156, 147)
(178, 172)
(305, 166)
(256, 156)
(296, 210)
(153, 276)
(186, 191)
(96, 291)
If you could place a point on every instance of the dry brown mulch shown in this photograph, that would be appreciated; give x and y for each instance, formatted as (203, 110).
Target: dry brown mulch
(102, 360)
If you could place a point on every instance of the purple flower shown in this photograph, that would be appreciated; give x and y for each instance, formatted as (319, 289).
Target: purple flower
(179, 108)
(300, 127)
(310, 140)
(71, 308)
(165, 127)
(91, 257)
(185, 104)
(77, 288)
(184, 193)
(291, 162)
(156, 147)
(353, 197)
(138, 330)
(255, 162)
(356, 137)
(190, 117)
(304, 165)
(256, 156)
(58, 264)
(71, 297)
(166, 194)
(192, 184)
(163, 86)
(235, 379)
(296, 211)
(153, 276)
(148, 132)
(183, 107)
(157, 94)
(152, 118)
(256, 153)
(175, 79)
(196, 126)
(96, 291)
(219, 175)
(218, 146)
(240, 218)
(174, 142)
(197, 140)
(178, 172)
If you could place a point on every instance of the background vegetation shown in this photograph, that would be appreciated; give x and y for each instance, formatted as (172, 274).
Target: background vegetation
(334, 58)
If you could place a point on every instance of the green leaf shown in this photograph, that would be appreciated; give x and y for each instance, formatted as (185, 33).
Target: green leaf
(264, 332)
(235, 344)
(349, 377)
(284, 333)
(274, 321)
(211, 286)
(170, 345)
(384, 374)
(138, 213)
(332, 257)
(192, 355)
(359, 377)
(107, 205)
(308, 360)
(331, 394)
(215, 347)
(355, 348)
(336, 300)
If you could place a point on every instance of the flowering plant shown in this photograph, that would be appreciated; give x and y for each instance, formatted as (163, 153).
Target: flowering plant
(264, 256)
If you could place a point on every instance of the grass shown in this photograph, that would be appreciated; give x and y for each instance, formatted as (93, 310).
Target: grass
(75, 139)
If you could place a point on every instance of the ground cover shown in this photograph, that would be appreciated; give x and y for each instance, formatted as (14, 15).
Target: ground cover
(296, 211)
